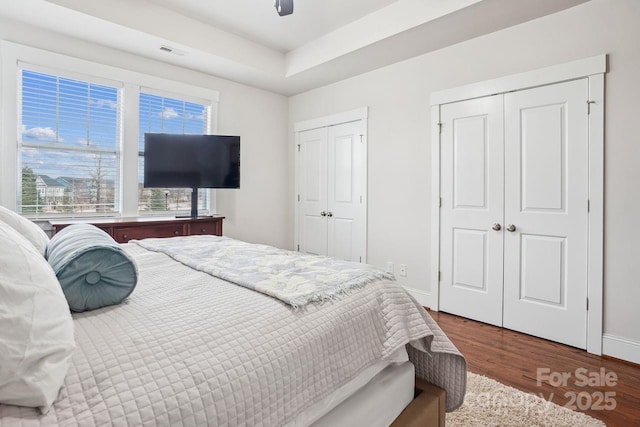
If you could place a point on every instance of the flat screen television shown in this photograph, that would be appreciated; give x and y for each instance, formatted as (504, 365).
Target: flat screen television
(191, 161)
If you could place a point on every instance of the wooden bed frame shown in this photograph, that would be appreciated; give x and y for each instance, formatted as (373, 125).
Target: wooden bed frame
(427, 409)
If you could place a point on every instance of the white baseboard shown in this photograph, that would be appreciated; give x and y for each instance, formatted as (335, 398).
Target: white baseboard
(425, 298)
(621, 348)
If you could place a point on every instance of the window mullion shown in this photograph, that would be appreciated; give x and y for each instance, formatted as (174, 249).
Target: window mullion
(129, 149)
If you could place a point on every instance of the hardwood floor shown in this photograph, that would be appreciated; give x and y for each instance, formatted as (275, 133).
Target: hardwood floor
(520, 360)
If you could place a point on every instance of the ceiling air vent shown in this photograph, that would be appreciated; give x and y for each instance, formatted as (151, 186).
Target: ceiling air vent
(169, 49)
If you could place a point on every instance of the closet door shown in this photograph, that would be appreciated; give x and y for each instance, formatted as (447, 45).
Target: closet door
(346, 160)
(471, 237)
(546, 212)
(331, 171)
(312, 190)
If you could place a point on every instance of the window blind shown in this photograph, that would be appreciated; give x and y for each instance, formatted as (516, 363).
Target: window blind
(69, 143)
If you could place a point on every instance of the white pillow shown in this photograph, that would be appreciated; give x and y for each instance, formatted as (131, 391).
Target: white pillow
(31, 231)
(36, 328)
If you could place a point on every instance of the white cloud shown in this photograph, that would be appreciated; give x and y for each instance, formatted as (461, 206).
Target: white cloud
(195, 117)
(40, 133)
(169, 113)
(104, 103)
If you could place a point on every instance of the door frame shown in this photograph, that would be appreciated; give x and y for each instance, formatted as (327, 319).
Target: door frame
(327, 121)
(592, 68)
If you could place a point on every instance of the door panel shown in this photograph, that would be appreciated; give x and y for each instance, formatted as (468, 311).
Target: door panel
(341, 247)
(472, 201)
(470, 162)
(543, 154)
(313, 183)
(546, 196)
(312, 226)
(345, 191)
(469, 259)
(542, 285)
(315, 235)
(343, 168)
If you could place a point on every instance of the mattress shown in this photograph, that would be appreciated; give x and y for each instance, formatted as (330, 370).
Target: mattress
(378, 403)
(188, 349)
(368, 378)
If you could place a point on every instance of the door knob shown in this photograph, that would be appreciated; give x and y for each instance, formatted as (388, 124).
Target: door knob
(323, 213)
(511, 228)
(329, 214)
(497, 227)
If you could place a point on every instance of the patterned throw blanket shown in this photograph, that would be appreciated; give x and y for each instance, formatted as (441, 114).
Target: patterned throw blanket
(292, 277)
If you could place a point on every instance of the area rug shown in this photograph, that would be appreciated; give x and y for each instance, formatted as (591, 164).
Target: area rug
(489, 403)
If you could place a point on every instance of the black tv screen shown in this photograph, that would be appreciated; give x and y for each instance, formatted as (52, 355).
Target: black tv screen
(191, 161)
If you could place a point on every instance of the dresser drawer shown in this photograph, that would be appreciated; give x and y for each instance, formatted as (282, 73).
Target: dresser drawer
(203, 228)
(124, 234)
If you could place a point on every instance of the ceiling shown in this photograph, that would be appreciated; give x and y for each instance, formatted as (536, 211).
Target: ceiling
(322, 42)
(258, 21)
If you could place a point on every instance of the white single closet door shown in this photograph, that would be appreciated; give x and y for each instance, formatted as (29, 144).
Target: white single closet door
(471, 250)
(546, 199)
(312, 169)
(346, 158)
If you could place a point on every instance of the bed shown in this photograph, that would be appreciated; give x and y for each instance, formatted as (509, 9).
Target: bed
(187, 348)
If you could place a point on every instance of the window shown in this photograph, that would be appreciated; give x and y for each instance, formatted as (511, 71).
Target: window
(79, 143)
(161, 114)
(69, 144)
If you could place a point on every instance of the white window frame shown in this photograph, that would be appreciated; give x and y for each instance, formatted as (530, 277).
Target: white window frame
(15, 55)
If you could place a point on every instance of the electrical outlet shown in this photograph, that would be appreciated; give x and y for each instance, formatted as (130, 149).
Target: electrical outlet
(389, 267)
(403, 269)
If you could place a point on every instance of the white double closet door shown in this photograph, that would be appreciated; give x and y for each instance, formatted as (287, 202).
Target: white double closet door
(331, 177)
(514, 213)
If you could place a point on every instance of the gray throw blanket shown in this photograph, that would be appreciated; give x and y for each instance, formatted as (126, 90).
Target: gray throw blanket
(292, 277)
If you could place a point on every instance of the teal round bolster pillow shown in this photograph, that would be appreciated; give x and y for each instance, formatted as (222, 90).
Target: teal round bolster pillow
(93, 270)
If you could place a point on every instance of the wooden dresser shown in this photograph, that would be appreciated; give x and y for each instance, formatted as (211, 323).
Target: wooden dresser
(124, 229)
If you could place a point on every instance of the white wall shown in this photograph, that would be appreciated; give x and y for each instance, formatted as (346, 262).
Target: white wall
(399, 138)
(259, 211)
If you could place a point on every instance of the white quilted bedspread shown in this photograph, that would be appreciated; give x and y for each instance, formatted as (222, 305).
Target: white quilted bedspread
(188, 349)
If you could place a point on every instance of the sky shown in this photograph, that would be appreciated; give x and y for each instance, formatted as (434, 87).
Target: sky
(61, 113)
